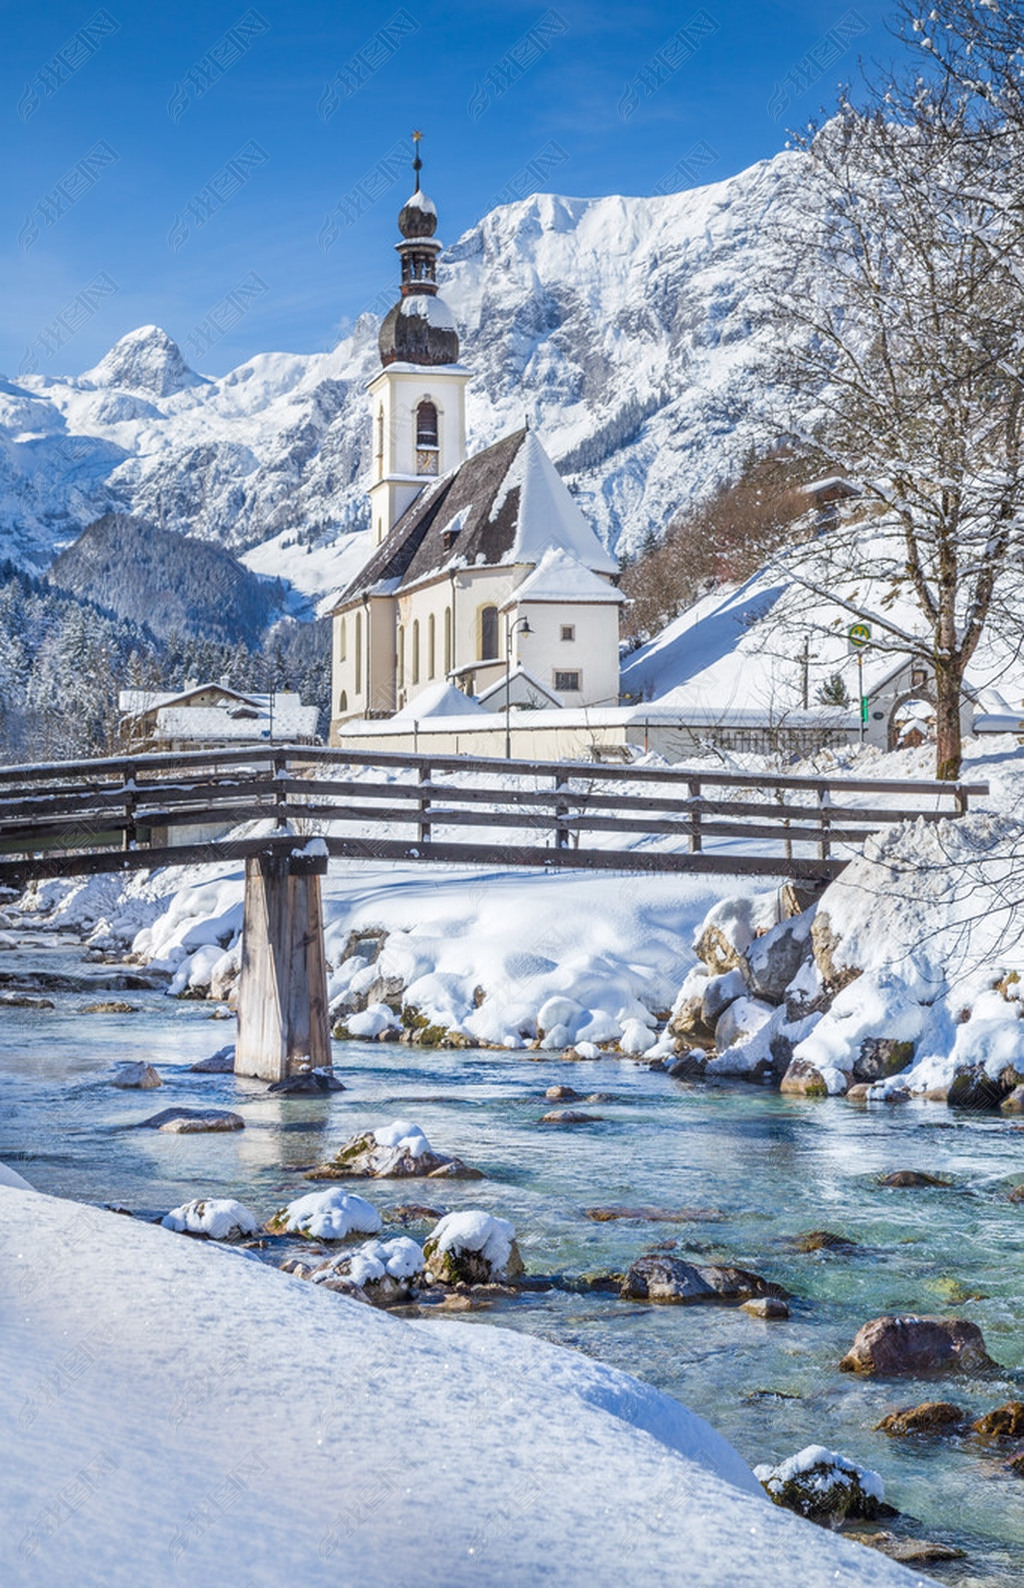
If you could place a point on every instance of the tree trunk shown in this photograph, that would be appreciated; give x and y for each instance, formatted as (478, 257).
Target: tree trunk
(948, 749)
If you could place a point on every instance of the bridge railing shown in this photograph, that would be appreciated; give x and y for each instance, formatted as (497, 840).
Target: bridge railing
(144, 811)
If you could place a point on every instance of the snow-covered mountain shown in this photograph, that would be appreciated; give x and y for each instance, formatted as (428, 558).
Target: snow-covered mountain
(626, 328)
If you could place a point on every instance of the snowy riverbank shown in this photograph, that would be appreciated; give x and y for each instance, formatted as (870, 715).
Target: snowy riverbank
(205, 1418)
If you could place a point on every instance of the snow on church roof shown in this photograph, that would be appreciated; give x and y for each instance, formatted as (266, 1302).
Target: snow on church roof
(439, 700)
(504, 506)
(547, 513)
(559, 576)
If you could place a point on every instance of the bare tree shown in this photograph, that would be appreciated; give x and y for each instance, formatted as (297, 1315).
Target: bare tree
(900, 327)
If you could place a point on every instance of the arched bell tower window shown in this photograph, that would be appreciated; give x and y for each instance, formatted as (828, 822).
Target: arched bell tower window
(426, 438)
(488, 634)
(380, 443)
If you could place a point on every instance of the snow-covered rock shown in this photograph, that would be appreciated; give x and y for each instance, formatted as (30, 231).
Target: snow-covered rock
(327, 1216)
(219, 1218)
(473, 1248)
(380, 1272)
(396, 1151)
(825, 1487)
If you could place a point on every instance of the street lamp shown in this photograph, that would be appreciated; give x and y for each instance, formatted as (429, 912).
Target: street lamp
(520, 626)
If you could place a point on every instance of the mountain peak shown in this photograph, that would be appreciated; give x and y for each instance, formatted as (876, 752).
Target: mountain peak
(145, 360)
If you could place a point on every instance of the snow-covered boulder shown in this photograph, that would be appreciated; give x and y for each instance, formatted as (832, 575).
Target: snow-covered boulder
(719, 992)
(742, 1019)
(729, 928)
(825, 1487)
(869, 1031)
(396, 1151)
(381, 1272)
(326, 1216)
(772, 960)
(218, 1218)
(375, 1021)
(472, 1248)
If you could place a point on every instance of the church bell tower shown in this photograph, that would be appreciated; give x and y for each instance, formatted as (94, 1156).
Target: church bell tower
(418, 400)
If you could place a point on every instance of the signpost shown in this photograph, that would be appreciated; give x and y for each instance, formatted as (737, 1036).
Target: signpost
(859, 637)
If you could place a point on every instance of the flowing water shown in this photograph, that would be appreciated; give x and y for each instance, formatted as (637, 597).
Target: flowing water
(768, 1168)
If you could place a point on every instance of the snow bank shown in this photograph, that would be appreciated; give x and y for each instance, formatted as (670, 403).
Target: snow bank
(13, 1180)
(504, 1440)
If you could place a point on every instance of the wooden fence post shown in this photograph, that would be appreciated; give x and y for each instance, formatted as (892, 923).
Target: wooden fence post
(424, 805)
(824, 801)
(695, 836)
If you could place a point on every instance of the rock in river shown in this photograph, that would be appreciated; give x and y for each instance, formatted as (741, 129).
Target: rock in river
(396, 1151)
(192, 1121)
(891, 1346)
(931, 1417)
(141, 1076)
(655, 1277)
(1006, 1422)
(825, 1487)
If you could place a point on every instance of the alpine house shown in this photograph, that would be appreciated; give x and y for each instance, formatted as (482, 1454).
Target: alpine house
(484, 569)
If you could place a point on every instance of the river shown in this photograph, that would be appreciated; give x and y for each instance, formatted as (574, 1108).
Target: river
(770, 1167)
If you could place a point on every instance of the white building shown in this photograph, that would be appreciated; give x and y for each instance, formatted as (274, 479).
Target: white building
(484, 569)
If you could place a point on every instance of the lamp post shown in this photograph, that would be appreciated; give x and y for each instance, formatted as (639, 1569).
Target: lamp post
(520, 626)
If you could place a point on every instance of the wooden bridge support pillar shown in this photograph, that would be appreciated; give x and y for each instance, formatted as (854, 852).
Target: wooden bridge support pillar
(283, 1026)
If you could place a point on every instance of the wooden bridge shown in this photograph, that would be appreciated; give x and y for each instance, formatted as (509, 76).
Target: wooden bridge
(285, 810)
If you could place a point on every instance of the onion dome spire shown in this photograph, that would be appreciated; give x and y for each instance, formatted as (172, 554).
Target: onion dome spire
(419, 329)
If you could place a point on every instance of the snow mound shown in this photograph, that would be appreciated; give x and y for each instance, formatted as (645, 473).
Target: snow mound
(404, 1136)
(329, 1216)
(222, 1219)
(504, 1438)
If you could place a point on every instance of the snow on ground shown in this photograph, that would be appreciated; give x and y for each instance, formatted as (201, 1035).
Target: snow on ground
(179, 1416)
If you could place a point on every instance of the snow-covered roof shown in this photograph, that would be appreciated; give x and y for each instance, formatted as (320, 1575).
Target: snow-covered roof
(251, 718)
(419, 201)
(510, 506)
(525, 688)
(135, 702)
(438, 700)
(560, 576)
(429, 307)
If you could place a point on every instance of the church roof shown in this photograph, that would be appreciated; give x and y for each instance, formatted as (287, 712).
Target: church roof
(561, 576)
(504, 506)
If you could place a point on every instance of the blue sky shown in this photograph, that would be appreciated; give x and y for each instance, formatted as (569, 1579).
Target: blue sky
(231, 172)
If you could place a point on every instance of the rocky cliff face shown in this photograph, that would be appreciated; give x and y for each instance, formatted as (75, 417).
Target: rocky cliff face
(627, 329)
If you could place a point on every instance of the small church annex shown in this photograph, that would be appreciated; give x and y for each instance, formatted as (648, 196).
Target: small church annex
(484, 569)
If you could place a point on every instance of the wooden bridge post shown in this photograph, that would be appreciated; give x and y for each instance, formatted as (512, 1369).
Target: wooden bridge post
(283, 1025)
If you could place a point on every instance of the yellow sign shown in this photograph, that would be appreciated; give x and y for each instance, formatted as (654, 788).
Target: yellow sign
(859, 635)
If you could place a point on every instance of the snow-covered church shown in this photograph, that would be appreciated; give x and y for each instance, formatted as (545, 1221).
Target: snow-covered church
(483, 567)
